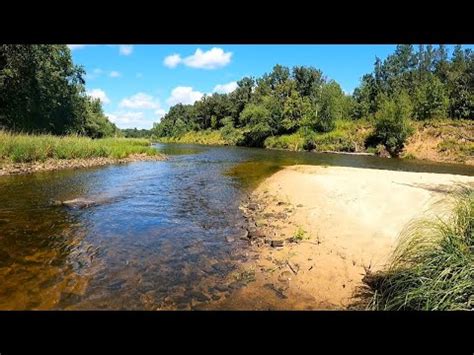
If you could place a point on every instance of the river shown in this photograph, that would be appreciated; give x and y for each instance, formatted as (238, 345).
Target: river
(164, 235)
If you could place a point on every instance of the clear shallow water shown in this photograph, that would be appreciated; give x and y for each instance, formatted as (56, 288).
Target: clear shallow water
(164, 235)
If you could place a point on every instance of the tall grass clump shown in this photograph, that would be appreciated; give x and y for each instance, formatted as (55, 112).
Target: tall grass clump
(210, 137)
(432, 268)
(24, 148)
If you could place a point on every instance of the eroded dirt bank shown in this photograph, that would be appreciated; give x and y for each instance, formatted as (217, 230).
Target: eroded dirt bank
(317, 229)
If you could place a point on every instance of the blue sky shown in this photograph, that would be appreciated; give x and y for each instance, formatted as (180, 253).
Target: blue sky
(138, 83)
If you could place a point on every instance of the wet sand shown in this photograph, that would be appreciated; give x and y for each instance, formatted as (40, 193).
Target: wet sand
(351, 219)
(7, 168)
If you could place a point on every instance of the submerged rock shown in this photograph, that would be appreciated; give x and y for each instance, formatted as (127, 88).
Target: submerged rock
(75, 203)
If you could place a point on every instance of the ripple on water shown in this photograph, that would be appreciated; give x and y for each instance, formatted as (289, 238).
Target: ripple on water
(163, 235)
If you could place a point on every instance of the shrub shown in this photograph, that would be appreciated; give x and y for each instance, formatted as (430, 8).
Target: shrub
(433, 265)
(231, 134)
(392, 127)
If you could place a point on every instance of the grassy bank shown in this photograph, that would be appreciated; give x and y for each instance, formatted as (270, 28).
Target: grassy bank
(433, 265)
(347, 136)
(210, 137)
(441, 140)
(23, 148)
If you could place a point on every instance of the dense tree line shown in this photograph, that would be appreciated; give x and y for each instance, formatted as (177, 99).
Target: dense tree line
(438, 86)
(412, 83)
(42, 91)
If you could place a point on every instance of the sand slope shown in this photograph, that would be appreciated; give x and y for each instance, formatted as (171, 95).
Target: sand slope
(352, 217)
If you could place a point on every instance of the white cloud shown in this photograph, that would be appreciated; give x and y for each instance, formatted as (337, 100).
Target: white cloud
(185, 95)
(140, 101)
(125, 49)
(160, 112)
(172, 61)
(131, 119)
(76, 46)
(99, 94)
(94, 74)
(225, 88)
(114, 74)
(211, 59)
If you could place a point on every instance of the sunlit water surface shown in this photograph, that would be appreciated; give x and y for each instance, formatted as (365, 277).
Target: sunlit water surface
(164, 235)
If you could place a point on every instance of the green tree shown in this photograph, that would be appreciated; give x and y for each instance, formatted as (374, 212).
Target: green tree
(308, 80)
(42, 91)
(258, 120)
(331, 107)
(430, 99)
(392, 127)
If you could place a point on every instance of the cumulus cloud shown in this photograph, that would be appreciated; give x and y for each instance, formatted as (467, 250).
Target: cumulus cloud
(160, 113)
(184, 95)
(125, 49)
(225, 88)
(211, 59)
(140, 101)
(99, 94)
(114, 74)
(172, 61)
(131, 119)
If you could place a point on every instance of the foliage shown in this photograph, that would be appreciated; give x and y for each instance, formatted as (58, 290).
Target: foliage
(300, 235)
(42, 91)
(231, 134)
(257, 119)
(23, 148)
(299, 108)
(433, 265)
(392, 127)
(348, 136)
(197, 137)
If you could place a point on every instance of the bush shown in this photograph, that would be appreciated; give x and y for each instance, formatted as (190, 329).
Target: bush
(258, 121)
(231, 134)
(392, 127)
(291, 142)
(433, 265)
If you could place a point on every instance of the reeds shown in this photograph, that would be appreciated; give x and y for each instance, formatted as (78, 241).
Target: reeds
(432, 268)
(24, 148)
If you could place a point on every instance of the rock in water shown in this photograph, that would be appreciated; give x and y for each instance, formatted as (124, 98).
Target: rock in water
(79, 203)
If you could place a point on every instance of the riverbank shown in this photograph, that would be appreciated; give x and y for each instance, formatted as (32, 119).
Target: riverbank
(447, 141)
(55, 164)
(23, 154)
(318, 230)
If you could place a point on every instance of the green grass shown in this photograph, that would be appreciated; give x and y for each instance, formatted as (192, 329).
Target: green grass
(300, 235)
(347, 136)
(289, 142)
(433, 266)
(210, 137)
(24, 148)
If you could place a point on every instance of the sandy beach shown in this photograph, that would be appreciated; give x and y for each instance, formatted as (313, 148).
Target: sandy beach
(349, 220)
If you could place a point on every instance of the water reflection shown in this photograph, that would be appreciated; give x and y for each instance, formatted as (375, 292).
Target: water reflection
(156, 239)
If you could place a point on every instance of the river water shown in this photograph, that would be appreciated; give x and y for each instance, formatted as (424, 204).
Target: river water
(164, 235)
